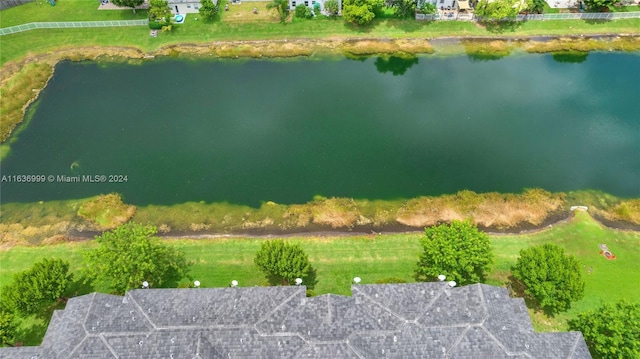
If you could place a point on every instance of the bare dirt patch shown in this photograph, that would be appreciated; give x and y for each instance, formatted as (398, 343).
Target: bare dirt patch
(243, 12)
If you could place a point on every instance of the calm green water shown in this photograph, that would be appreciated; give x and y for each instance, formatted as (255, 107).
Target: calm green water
(247, 132)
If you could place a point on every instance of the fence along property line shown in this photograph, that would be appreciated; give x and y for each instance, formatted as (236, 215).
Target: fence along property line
(567, 16)
(70, 24)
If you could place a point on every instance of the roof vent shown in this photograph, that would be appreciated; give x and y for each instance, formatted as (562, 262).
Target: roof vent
(145, 285)
(234, 283)
(298, 281)
(357, 280)
(442, 277)
(452, 284)
(196, 283)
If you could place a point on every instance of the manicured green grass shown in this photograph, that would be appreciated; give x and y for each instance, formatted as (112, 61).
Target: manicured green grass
(606, 280)
(550, 10)
(67, 10)
(338, 260)
(626, 8)
(218, 261)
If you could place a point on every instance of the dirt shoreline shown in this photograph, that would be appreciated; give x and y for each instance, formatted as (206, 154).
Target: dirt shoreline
(555, 219)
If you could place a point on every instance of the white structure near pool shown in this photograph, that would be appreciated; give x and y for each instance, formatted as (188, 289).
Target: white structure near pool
(448, 4)
(312, 4)
(186, 6)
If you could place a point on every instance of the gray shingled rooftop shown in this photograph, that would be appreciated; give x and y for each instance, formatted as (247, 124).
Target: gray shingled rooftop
(421, 320)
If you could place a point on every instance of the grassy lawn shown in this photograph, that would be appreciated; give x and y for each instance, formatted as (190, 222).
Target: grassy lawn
(338, 260)
(239, 23)
(606, 280)
(67, 10)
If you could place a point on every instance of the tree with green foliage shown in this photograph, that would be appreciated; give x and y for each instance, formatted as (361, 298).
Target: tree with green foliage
(159, 11)
(130, 255)
(361, 12)
(498, 9)
(8, 328)
(550, 276)
(283, 262)
(612, 331)
(128, 3)
(458, 250)
(282, 6)
(427, 7)
(536, 6)
(600, 4)
(38, 287)
(303, 12)
(402, 8)
(332, 7)
(208, 10)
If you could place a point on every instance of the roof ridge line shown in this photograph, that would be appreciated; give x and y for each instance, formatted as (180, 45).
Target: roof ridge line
(484, 305)
(507, 351)
(76, 347)
(198, 346)
(330, 317)
(575, 345)
(379, 304)
(84, 319)
(104, 340)
(353, 350)
(430, 304)
(458, 339)
(138, 307)
(267, 315)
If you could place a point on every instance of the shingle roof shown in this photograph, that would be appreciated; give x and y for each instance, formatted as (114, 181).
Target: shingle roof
(421, 320)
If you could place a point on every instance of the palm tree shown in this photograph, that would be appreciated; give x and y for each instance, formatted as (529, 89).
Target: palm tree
(281, 6)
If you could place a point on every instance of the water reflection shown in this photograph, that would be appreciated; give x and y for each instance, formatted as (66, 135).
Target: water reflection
(394, 64)
(574, 57)
(342, 129)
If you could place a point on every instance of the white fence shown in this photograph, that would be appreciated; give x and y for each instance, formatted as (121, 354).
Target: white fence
(71, 24)
(567, 16)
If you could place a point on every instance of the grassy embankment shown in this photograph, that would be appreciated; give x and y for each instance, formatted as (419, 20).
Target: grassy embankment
(338, 259)
(57, 221)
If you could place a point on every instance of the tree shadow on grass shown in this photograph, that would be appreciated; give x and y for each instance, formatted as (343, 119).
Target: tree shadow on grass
(31, 334)
(596, 21)
(500, 27)
(409, 25)
(309, 280)
(360, 29)
(79, 286)
(517, 289)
